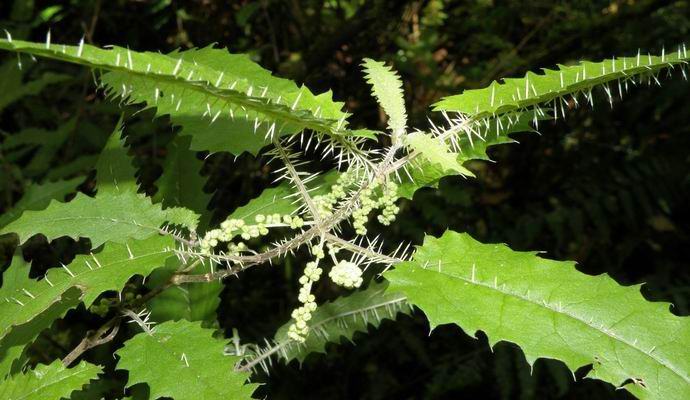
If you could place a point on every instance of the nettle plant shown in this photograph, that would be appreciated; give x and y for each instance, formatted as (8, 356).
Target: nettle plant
(225, 102)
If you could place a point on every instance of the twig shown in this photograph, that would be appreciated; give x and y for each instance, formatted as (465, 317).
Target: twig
(387, 165)
(101, 336)
(297, 181)
(97, 338)
(94, 20)
(380, 257)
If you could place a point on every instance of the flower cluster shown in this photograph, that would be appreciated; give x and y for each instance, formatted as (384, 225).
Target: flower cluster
(346, 274)
(325, 203)
(375, 196)
(360, 216)
(299, 329)
(231, 228)
(371, 200)
(387, 203)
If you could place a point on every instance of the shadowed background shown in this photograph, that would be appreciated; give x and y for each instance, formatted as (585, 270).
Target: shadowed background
(607, 188)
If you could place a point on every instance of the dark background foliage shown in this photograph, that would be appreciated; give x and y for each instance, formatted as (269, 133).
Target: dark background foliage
(608, 188)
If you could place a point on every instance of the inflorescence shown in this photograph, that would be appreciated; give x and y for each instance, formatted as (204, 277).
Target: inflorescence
(376, 196)
(348, 274)
(231, 228)
(344, 273)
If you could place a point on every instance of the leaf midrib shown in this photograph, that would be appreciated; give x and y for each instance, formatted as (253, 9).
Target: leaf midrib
(586, 83)
(109, 219)
(67, 284)
(257, 104)
(361, 310)
(668, 365)
(279, 345)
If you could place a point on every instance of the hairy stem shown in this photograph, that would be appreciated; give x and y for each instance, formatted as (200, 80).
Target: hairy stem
(243, 262)
(369, 253)
(297, 181)
(387, 165)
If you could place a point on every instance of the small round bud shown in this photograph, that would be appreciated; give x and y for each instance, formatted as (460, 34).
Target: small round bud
(346, 274)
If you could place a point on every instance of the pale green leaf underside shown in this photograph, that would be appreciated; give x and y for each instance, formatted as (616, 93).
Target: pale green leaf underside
(425, 173)
(183, 361)
(111, 217)
(52, 381)
(387, 88)
(534, 89)
(22, 298)
(341, 319)
(201, 86)
(436, 152)
(550, 310)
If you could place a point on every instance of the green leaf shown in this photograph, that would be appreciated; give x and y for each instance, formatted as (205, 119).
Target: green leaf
(113, 217)
(182, 217)
(237, 131)
(9, 357)
(35, 137)
(276, 200)
(207, 91)
(12, 88)
(365, 133)
(191, 301)
(40, 145)
(189, 364)
(387, 88)
(550, 310)
(114, 170)
(24, 298)
(75, 167)
(13, 345)
(436, 152)
(181, 184)
(337, 320)
(519, 93)
(52, 381)
(38, 196)
(425, 173)
(11, 350)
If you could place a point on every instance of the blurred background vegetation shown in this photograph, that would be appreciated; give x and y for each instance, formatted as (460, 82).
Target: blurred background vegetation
(608, 188)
